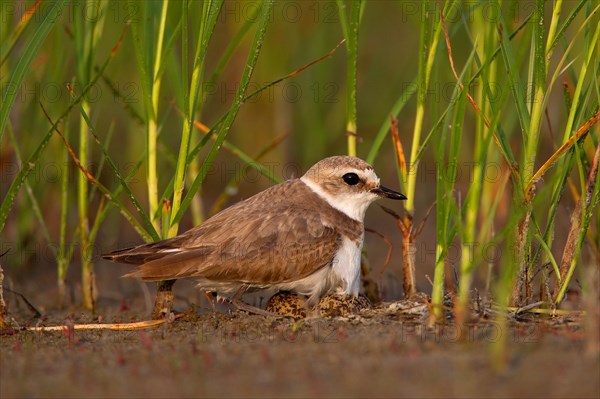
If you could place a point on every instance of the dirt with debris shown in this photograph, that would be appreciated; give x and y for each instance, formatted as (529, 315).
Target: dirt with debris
(386, 351)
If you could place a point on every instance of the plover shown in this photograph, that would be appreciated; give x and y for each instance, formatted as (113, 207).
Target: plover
(304, 235)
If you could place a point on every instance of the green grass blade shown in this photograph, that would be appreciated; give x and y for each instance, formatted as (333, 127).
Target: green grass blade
(516, 85)
(21, 177)
(429, 38)
(142, 60)
(34, 202)
(232, 46)
(498, 50)
(447, 168)
(149, 227)
(548, 253)
(343, 17)
(103, 211)
(352, 71)
(210, 13)
(16, 184)
(385, 127)
(9, 44)
(124, 211)
(566, 24)
(31, 49)
(230, 117)
(539, 81)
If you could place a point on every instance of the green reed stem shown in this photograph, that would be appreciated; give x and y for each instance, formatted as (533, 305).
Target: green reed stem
(208, 19)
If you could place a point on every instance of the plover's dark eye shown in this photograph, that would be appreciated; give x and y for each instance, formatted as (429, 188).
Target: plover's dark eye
(351, 179)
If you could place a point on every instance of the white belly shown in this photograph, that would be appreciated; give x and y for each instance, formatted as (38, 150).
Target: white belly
(346, 265)
(341, 276)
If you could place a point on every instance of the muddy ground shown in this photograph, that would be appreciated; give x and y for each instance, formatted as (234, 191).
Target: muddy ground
(382, 352)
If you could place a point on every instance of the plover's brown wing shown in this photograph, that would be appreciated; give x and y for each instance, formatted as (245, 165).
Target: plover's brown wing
(258, 253)
(281, 234)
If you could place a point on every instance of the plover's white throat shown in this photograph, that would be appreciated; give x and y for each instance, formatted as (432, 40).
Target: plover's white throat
(304, 235)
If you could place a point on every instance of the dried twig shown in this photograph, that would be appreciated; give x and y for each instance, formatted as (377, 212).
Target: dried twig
(584, 129)
(537, 310)
(109, 326)
(390, 248)
(36, 313)
(528, 307)
(422, 224)
(294, 73)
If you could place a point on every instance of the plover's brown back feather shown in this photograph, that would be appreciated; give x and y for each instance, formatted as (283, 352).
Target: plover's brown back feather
(281, 234)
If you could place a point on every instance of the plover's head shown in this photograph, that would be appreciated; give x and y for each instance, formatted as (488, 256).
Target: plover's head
(349, 184)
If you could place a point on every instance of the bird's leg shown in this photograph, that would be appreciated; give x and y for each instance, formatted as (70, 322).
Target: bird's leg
(241, 305)
(211, 298)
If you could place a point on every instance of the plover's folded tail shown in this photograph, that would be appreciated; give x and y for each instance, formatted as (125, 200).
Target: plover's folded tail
(140, 254)
(125, 255)
(173, 265)
(160, 260)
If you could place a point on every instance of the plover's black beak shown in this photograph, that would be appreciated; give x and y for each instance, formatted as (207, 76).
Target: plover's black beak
(388, 193)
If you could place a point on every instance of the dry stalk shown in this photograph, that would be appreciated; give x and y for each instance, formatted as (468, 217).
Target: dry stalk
(577, 216)
(405, 223)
